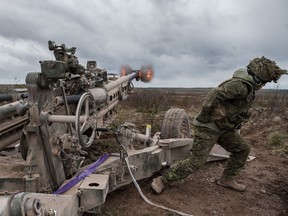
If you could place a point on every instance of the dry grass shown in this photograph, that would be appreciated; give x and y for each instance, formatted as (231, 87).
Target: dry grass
(274, 102)
(151, 105)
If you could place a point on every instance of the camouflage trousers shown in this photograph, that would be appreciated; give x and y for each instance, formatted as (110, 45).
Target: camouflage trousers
(204, 140)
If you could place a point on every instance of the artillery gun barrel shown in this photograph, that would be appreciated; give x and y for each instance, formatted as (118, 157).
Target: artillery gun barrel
(17, 107)
(101, 95)
(120, 80)
(13, 95)
(6, 97)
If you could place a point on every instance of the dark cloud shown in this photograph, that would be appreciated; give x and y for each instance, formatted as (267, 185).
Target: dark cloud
(190, 43)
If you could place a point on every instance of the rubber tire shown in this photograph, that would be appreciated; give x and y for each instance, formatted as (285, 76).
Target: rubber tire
(176, 124)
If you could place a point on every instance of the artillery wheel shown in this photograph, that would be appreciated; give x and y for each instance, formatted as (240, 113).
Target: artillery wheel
(86, 120)
(176, 124)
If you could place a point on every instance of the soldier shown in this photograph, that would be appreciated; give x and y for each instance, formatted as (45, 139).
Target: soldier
(224, 110)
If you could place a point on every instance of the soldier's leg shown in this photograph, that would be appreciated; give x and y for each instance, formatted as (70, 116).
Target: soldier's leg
(204, 140)
(239, 149)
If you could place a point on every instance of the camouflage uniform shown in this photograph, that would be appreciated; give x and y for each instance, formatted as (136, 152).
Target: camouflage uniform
(224, 110)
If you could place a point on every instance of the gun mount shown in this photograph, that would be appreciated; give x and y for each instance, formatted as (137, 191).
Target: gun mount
(68, 107)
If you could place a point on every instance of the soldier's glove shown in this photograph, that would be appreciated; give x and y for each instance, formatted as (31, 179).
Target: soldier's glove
(204, 115)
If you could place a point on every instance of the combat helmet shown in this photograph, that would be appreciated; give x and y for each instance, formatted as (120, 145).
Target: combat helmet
(265, 69)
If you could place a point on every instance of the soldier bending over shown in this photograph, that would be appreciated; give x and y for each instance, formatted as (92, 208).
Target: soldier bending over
(224, 110)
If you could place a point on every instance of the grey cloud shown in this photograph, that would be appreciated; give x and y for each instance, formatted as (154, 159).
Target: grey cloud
(191, 43)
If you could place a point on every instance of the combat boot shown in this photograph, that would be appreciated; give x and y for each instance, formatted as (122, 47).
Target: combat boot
(230, 183)
(158, 184)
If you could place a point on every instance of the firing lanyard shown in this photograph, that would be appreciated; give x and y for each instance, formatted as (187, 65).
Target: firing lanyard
(83, 174)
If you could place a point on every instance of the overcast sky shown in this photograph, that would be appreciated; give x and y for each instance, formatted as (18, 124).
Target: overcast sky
(190, 43)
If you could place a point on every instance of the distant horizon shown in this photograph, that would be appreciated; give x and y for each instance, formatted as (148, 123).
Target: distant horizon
(157, 87)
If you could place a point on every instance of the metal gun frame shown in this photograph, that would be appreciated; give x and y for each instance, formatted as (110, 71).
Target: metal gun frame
(67, 108)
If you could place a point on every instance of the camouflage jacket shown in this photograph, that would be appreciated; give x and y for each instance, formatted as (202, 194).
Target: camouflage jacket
(227, 106)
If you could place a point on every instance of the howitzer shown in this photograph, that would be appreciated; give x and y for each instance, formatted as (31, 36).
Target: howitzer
(15, 108)
(68, 107)
(67, 128)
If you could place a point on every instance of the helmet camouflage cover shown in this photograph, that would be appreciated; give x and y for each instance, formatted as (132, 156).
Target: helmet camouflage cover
(265, 69)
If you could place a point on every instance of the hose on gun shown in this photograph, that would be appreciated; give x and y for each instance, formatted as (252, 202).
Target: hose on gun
(146, 199)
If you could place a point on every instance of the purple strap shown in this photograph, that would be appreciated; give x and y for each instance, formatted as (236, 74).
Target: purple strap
(76, 179)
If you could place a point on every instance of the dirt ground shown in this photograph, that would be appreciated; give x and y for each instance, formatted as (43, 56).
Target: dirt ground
(265, 177)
